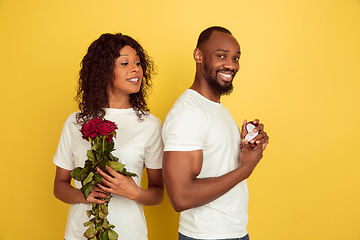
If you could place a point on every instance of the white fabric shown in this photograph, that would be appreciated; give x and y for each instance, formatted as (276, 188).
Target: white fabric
(194, 123)
(138, 143)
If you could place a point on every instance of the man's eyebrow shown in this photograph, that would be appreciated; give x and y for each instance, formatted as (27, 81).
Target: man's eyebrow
(222, 50)
(225, 50)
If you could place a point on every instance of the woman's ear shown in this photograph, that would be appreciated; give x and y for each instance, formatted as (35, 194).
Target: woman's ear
(197, 55)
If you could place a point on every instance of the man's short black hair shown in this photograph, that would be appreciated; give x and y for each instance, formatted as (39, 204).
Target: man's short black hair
(206, 34)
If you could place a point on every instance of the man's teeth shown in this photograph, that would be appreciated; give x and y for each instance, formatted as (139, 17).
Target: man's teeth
(226, 75)
(133, 79)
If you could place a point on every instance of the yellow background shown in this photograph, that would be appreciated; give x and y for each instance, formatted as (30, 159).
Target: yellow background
(300, 72)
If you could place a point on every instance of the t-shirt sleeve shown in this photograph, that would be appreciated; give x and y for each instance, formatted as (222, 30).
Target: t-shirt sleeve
(184, 130)
(154, 149)
(63, 157)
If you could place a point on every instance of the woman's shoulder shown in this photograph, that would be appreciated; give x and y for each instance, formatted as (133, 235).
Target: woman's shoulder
(151, 119)
(72, 117)
(71, 120)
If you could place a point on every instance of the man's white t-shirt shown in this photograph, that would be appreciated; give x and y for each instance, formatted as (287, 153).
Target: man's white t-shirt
(137, 144)
(194, 123)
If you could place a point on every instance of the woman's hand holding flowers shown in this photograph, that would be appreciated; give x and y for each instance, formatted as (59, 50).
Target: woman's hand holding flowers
(96, 195)
(118, 184)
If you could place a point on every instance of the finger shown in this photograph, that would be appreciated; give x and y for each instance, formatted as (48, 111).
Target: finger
(256, 121)
(244, 144)
(95, 200)
(99, 190)
(97, 195)
(243, 129)
(260, 127)
(99, 171)
(259, 138)
(103, 174)
(253, 146)
(111, 171)
(105, 188)
(106, 183)
(101, 194)
(264, 140)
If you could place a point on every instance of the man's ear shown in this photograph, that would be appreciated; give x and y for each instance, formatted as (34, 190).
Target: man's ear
(197, 55)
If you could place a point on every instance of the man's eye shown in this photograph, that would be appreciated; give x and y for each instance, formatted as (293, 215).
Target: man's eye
(221, 56)
(236, 59)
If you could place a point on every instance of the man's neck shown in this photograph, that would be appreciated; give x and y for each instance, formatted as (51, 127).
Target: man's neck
(203, 88)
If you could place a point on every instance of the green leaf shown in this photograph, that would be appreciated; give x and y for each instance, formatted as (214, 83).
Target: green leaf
(105, 209)
(89, 178)
(125, 172)
(116, 166)
(95, 146)
(87, 189)
(99, 228)
(88, 212)
(98, 220)
(104, 235)
(105, 224)
(79, 175)
(90, 232)
(88, 164)
(74, 173)
(102, 214)
(83, 174)
(88, 224)
(98, 178)
(112, 234)
(102, 165)
(90, 154)
(113, 158)
(109, 147)
(95, 212)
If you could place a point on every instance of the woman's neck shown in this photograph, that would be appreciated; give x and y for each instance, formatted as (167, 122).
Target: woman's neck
(119, 102)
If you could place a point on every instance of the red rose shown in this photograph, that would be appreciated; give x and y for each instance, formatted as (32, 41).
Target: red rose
(106, 127)
(90, 129)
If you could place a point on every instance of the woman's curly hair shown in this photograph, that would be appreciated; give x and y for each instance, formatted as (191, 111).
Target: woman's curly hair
(97, 75)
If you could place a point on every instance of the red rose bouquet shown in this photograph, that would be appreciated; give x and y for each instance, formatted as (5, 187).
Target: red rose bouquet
(100, 134)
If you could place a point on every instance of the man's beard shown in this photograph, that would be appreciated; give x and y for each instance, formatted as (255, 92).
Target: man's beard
(213, 81)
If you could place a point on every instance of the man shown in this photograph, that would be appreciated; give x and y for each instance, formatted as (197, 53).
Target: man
(204, 168)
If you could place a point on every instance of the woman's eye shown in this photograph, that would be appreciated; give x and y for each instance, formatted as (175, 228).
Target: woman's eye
(124, 63)
(138, 64)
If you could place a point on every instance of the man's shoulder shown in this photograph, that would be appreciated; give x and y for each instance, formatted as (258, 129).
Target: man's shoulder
(190, 100)
(186, 110)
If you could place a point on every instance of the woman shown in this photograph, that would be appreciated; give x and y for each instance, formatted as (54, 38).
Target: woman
(114, 81)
